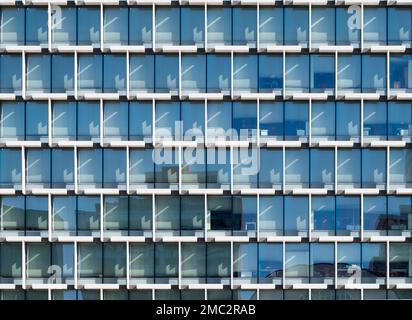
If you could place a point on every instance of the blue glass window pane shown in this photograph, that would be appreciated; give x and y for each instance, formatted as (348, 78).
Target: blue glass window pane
(400, 73)
(347, 120)
(374, 214)
(322, 168)
(90, 72)
(10, 168)
(36, 213)
(168, 25)
(193, 257)
(90, 167)
(296, 215)
(166, 260)
(140, 213)
(296, 120)
(322, 262)
(193, 26)
(349, 260)
(347, 215)
(271, 214)
(63, 73)
(167, 73)
(218, 168)
(270, 261)
(245, 168)
(218, 73)
(323, 26)
(374, 119)
(36, 25)
(270, 26)
(399, 26)
(244, 26)
(141, 166)
(400, 260)
(270, 73)
(194, 167)
(322, 77)
(38, 167)
(166, 168)
(297, 260)
(297, 168)
(270, 169)
(323, 120)
(13, 212)
(88, 25)
(374, 168)
(297, 73)
(219, 25)
(115, 26)
(11, 263)
(374, 26)
(12, 25)
(373, 261)
(193, 120)
(244, 213)
(116, 211)
(114, 73)
(62, 255)
(36, 120)
(64, 213)
(373, 73)
(12, 120)
(400, 168)
(38, 261)
(193, 73)
(271, 119)
(349, 73)
(142, 261)
(348, 25)
(114, 167)
(219, 119)
(167, 121)
(90, 260)
(142, 73)
(349, 168)
(140, 120)
(296, 26)
(88, 120)
(10, 77)
(88, 213)
(63, 25)
(245, 260)
(115, 120)
(38, 73)
(64, 120)
(62, 168)
(245, 73)
(323, 214)
(140, 25)
(399, 120)
(192, 213)
(399, 214)
(244, 119)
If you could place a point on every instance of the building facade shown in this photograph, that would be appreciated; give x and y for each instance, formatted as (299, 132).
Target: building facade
(206, 149)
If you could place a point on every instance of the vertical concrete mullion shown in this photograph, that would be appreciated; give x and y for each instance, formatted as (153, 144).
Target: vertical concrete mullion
(127, 169)
(102, 206)
(50, 126)
(101, 27)
(76, 187)
(23, 170)
(76, 56)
